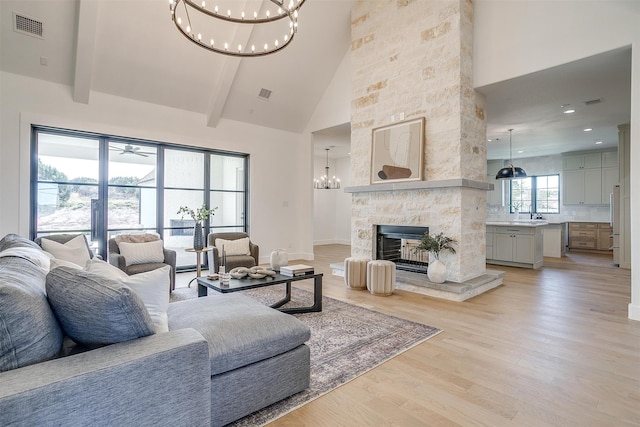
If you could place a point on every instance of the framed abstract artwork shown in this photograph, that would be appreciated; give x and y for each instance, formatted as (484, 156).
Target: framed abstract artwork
(397, 152)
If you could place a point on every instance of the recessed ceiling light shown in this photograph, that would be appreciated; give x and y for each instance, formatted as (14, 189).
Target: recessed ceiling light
(520, 151)
(599, 142)
(488, 140)
(569, 111)
(588, 130)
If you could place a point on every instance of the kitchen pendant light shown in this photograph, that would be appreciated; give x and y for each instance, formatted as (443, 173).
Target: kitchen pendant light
(511, 172)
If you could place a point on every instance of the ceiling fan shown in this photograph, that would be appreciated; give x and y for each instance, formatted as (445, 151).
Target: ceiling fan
(130, 149)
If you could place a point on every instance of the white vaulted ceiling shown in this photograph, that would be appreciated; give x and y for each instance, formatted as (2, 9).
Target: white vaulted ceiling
(131, 49)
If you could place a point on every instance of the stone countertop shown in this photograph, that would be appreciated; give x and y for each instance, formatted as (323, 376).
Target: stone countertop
(547, 221)
(520, 223)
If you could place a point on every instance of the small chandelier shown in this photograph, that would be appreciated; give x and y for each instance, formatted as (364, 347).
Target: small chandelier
(284, 9)
(511, 172)
(324, 183)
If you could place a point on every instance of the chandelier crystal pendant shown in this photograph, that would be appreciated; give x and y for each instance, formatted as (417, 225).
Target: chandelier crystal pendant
(511, 172)
(199, 14)
(324, 182)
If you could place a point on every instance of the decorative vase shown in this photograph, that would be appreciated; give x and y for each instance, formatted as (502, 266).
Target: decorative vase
(198, 237)
(437, 271)
(278, 259)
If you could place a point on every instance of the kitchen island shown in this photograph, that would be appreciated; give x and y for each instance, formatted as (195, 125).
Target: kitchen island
(516, 243)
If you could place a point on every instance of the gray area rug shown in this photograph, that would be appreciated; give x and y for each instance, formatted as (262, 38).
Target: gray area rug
(346, 341)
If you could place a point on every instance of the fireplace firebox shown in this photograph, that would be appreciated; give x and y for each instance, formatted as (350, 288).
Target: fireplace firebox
(397, 243)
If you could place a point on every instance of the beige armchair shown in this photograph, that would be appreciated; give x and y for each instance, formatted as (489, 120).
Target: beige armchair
(246, 260)
(118, 260)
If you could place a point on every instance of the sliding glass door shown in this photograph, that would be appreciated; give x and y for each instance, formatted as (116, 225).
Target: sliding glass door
(103, 186)
(65, 182)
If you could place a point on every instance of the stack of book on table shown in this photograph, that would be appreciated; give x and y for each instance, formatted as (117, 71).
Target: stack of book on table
(296, 270)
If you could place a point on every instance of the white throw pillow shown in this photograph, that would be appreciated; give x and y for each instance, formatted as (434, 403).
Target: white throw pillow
(233, 247)
(152, 287)
(103, 268)
(142, 253)
(75, 250)
(55, 263)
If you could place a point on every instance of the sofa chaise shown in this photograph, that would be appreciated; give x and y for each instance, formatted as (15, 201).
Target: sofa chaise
(222, 358)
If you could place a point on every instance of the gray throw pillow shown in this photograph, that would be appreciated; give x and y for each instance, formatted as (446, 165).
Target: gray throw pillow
(14, 240)
(94, 310)
(29, 331)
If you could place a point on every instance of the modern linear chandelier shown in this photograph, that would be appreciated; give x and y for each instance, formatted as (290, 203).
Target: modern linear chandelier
(324, 182)
(199, 15)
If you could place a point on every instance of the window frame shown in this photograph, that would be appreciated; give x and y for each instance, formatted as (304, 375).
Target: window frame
(534, 195)
(104, 185)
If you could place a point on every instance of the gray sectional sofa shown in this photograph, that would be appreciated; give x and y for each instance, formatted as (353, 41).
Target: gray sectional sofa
(223, 358)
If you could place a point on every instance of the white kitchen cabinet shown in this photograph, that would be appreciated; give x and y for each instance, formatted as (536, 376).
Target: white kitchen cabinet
(516, 246)
(583, 161)
(582, 187)
(503, 247)
(489, 242)
(588, 178)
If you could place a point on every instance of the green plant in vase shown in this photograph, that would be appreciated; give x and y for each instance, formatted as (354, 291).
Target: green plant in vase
(435, 244)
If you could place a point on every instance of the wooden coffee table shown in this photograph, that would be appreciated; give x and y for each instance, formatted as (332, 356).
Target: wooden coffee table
(236, 285)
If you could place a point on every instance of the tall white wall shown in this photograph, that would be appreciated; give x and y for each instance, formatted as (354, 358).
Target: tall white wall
(331, 210)
(514, 38)
(335, 106)
(276, 157)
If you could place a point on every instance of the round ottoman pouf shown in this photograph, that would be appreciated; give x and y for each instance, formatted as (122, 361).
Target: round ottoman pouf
(355, 273)
(381, 277)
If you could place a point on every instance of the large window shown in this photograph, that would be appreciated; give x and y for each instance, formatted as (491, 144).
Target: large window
(536, 194)
(102, 186)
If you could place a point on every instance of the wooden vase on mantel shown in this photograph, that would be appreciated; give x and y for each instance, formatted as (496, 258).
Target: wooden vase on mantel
(198, 237)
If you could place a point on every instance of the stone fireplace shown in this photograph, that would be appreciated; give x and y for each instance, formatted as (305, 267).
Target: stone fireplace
(397, 243)
(412, 59)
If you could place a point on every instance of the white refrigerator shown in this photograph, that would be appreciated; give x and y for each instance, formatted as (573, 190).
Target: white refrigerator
(614, 219)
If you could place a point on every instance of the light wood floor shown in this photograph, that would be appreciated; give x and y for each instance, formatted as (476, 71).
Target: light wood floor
(551, 347)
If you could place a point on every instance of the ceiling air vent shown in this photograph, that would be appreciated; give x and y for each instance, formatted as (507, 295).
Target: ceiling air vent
(594, 101)
(25, 25)
(264, 94)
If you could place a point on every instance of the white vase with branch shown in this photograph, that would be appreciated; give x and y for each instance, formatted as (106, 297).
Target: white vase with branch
(198, 216)
(434, 244)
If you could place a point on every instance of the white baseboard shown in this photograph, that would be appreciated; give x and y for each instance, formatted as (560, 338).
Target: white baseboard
(331, 242)
(634, 312)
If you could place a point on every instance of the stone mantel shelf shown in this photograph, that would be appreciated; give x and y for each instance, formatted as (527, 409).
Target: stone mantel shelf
(421, 185)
